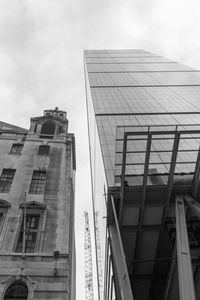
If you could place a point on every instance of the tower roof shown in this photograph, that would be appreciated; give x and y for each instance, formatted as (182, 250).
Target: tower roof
(55, 112)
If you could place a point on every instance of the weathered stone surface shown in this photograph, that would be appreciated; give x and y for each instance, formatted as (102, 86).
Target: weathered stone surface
(56, 232)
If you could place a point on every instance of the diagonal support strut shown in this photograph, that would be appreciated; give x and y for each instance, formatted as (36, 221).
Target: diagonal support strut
(186, 282)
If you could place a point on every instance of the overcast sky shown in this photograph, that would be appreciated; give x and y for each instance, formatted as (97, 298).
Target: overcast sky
(41, 61)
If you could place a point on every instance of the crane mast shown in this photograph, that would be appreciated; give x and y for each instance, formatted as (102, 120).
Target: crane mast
(89, 294)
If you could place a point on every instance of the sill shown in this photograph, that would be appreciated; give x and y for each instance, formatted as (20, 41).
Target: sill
(34, 254)
(35, 194)
(48, 137)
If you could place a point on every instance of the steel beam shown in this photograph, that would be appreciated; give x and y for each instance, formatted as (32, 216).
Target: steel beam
(145, 178)
(144, 188)
(170, 274)
(108, 282)
(121, 204)
(171, 172)
(120, 272)
(169, 187)
(193, 204)
(164, 132)
(112, 287)
(196, 176)
(106, 267)
(185, 274)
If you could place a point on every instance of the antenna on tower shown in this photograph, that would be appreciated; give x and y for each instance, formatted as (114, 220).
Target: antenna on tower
(88, 260)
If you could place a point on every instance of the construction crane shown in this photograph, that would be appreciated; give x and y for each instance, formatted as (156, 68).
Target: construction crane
(89, 295)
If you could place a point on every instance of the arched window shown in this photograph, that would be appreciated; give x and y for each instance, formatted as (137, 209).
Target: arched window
(48, 129)
(17, 290)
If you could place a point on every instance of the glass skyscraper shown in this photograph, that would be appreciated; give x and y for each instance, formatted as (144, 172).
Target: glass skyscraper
(144, 135)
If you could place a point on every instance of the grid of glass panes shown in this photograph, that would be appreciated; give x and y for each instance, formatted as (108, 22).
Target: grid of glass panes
(160, 154)
(123, 79)
(16, 149)
(135, 86)
(31, 231)
(156, 96)
(6, 180)
(107, 131)
(135, 67)
(37, 182)
(43, 150)
(107, 60)
(17, 290)
(151, 99)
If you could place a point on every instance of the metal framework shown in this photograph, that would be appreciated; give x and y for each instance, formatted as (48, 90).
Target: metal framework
(186, 283)
(147, 133)
(193, 205)
(196, 175)
(123, 288)
(170, 274)
(176, 134)
(145, 177)
(89, 295)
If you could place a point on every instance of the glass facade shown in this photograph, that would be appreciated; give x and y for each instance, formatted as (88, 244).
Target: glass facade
(154, 91)
(144, 97)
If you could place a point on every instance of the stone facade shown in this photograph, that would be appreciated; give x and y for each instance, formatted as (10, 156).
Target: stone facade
(45, 263)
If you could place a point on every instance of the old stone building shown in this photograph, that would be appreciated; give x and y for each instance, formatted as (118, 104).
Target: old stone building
(37, 247)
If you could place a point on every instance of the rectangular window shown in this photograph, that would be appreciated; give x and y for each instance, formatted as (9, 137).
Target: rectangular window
(6, 180)
(16, 149)
(43, 150)
(49, 137)
(1, 219)
(31, 233)
(37, 182)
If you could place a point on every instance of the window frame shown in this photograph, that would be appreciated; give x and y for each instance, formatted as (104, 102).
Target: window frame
(35, 183)
(3, 187)
(33, 208)
(16, 282)
(4, 207)
(16, 151)
(44, 133)
(36, 244)
(42, 152)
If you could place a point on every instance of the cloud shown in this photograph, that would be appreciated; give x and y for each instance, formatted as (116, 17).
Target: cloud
(41, 63)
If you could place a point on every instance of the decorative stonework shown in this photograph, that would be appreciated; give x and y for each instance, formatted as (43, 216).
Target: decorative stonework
(25, 279)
